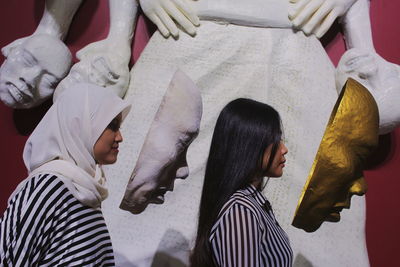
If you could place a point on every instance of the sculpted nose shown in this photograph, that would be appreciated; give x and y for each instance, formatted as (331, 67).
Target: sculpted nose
(182, 173)
(359, 187)
(30, 75)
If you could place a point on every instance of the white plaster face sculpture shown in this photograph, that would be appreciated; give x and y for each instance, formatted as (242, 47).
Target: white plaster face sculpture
(380, 77)
(163, 156)
(32, 70)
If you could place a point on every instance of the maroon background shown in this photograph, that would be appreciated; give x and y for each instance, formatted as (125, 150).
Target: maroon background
(20, 18)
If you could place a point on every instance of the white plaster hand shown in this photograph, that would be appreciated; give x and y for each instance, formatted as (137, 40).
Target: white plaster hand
(380, 77)
(109, 61)
(317, 16)
(163, 13)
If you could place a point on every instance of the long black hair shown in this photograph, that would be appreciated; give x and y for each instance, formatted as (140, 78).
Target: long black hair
(244, 129)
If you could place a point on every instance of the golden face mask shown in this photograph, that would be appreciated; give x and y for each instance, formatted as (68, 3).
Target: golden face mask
(336, 174)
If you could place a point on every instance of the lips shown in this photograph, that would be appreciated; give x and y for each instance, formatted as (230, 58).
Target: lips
(334, 216)
(158, 196)
(157, 200)
(20, 96)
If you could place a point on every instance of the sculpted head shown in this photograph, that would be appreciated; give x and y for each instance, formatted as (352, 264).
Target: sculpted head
(336, 174)
(163, 156)
(32, 70)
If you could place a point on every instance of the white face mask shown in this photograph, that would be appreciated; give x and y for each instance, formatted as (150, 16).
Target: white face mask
(163, 155)
(32, 71)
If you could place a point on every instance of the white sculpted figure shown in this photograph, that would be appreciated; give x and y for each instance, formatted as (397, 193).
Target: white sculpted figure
(105, 62)
(35, 64)
(163, 155)
(230, 58)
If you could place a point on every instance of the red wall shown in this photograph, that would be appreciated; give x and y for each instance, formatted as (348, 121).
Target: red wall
(20, 17)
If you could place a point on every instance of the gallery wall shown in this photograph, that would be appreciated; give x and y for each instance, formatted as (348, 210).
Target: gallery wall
(20, 18)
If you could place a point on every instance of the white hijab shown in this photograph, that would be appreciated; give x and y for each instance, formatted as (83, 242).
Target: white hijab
(62, 143)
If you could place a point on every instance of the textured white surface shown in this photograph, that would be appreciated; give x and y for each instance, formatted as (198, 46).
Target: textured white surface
(289, 71)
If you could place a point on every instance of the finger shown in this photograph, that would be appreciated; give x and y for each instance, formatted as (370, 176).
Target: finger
(316, 19)
(168, 22)
(103, 72)
(296, 7)
(156, 20)
(326, 24)
(180, 18)
(188, 11)
(306, 13)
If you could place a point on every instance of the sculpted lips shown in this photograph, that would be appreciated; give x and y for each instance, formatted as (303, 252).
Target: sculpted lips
(334, 216)
(20, 96)
(158, 196)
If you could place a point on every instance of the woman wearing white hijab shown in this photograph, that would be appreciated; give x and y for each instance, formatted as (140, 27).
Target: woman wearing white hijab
(53, 217)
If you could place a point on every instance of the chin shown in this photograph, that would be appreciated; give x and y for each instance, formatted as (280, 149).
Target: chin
(109, 161)
(134, 208)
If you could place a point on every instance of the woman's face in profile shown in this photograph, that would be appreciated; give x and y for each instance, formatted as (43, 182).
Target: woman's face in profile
(278, 163)
(105, 150)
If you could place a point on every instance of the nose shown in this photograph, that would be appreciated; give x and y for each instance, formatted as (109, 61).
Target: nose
(182, 173)
(359, 187)
(118, 137)
(284, 149)
(30, 75)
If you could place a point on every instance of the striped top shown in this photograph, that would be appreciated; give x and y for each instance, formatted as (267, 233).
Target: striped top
(45, 225)
(246, 233)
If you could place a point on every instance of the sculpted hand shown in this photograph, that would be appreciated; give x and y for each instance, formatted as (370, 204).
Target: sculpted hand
(108, 62)
(380, 77)
(317, 16)
(163, 13)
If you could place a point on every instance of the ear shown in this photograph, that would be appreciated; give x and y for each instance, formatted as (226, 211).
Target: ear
(11, 46)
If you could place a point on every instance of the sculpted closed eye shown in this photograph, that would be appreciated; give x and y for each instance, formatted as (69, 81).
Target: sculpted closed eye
(50, 80)
(28, 59)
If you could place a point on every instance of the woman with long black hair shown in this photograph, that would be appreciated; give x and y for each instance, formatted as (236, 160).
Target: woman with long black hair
(236, 224)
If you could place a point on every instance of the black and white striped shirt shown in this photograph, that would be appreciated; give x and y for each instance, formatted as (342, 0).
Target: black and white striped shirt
(246, 233)
(45, 225)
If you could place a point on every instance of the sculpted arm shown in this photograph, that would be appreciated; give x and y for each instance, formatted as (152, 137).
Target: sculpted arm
(105, 62)
(362, 63)
(56, 19)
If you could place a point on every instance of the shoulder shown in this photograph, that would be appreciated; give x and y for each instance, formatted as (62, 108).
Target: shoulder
(238, 210)
(243, 202)
(41, 195)
(41, 187)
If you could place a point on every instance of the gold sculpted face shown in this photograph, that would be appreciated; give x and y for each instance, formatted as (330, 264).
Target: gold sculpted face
(336, 174)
